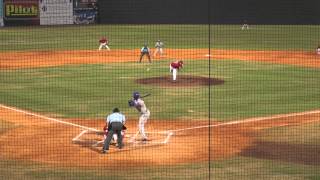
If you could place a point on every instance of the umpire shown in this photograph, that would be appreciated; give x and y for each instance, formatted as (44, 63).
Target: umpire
(115, 122)
(145, 50)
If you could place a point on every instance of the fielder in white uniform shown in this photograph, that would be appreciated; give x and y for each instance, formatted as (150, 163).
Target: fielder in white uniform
(245, 25)
(318, 50)
(139, 104)
(159, 48)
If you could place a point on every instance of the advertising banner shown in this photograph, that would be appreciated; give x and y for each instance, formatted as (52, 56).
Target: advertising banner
(21, 12)
(56, 12)
(85, 11)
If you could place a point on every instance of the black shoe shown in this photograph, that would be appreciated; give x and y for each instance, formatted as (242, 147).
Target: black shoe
(103, 151)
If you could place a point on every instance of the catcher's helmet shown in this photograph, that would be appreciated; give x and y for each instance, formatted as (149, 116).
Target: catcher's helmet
(136, 95)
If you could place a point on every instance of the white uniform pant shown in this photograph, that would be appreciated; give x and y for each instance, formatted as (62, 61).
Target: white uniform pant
(104, 45)
(158, 50)
(174, 72)
(245, 26)
(142, 121)
(318, 51)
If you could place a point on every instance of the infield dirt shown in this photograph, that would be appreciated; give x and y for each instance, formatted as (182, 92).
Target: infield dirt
(21, 59)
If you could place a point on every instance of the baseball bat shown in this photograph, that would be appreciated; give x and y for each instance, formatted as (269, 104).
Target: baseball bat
(146, 95)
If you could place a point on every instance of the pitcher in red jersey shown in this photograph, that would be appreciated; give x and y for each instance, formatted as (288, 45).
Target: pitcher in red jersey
(174, 67)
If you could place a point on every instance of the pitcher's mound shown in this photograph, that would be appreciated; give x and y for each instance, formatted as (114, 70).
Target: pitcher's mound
(182, 80)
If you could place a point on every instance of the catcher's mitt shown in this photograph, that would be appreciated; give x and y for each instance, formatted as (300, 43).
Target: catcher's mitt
(131, 103)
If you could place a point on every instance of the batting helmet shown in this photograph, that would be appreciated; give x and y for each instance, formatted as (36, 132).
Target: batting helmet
(136, 95)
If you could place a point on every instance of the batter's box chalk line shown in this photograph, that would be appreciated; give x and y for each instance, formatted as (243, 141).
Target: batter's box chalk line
(94, 139)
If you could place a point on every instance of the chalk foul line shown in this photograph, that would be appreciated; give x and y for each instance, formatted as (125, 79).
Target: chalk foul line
(49, 119)
(248, 120)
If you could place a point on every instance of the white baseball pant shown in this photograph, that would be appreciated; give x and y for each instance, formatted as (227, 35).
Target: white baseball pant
(142, 121)
(104, 45)
(174, 73)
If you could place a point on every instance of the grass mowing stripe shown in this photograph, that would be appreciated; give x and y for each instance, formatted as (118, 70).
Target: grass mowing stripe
(93, 90)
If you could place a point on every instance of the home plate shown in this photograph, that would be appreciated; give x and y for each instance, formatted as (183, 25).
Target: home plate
(207, 55)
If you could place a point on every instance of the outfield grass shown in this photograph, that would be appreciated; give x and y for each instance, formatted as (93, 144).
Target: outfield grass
(259, 37)
(250, 90)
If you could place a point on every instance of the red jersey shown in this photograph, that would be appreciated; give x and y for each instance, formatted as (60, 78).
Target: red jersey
(176, 64)
(103, 40)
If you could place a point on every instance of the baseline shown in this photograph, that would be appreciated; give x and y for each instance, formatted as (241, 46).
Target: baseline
(49, 119)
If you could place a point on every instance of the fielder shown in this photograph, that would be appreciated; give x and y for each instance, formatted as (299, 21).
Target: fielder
(245, 25)
(318, 50)
(139, 104)
(104, 43)
(159, 48)
(174, 67)
(145, 50)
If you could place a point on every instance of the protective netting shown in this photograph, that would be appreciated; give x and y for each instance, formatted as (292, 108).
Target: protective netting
(178, 89)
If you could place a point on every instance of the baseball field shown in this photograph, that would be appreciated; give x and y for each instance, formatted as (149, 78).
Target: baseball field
(246, 104)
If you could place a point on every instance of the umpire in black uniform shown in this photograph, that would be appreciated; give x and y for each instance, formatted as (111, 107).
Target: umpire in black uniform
(115, 122)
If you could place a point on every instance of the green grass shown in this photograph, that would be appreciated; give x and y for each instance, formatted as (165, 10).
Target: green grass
(250, 90)
(233, 168)
(10, 169)
(251, 168)
(307, 134)
(260, 37)
(16, 170)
